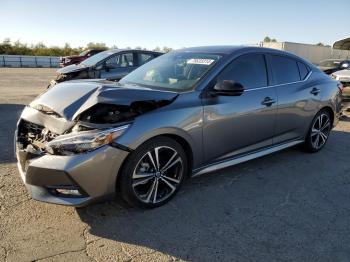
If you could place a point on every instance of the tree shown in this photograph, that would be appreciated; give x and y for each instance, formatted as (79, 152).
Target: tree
(40, 49)
(167, 49)
(92, 45)
(269, 40)
(5, 46)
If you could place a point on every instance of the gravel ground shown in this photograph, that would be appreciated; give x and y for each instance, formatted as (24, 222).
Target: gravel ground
(289, 206)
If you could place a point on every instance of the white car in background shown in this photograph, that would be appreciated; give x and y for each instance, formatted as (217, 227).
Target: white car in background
(344, 77)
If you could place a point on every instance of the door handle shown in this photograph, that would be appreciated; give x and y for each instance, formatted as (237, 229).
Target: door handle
(315, 91)
(268, 101)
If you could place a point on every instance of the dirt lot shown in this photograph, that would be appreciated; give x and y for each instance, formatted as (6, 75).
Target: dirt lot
(290, 206)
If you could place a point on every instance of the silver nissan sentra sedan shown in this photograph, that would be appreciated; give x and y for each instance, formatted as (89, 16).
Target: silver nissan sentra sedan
(186, 113)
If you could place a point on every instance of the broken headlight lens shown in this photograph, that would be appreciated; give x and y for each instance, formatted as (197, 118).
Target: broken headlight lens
(84, 141)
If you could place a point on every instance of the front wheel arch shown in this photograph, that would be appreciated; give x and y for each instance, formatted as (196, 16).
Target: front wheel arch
(182, 141)
(123, 178)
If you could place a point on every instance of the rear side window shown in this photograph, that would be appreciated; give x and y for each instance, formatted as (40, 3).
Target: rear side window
(284, 69)
(248, 70)
(144, 58)
(303, 70)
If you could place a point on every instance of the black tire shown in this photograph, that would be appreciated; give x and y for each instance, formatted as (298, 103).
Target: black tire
(319, 129)
(140, 176)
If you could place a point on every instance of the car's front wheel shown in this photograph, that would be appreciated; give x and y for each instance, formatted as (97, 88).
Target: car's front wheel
(319, 132)
(153, 173)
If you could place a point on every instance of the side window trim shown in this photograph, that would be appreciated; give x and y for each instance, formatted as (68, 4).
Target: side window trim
(307, 69)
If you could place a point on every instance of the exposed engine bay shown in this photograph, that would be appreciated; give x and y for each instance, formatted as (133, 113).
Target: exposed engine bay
(110, 114)
(41, 123)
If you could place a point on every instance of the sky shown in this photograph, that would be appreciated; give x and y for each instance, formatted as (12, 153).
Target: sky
(173, 23)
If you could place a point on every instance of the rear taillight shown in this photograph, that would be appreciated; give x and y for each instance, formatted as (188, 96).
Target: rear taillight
(340, 86)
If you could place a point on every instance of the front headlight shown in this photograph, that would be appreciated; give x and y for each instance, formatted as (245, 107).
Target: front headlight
(84, 141)
(67, 60)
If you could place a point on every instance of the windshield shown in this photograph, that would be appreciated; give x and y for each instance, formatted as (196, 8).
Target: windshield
(84, 52)
(93, 60)
(173, 71)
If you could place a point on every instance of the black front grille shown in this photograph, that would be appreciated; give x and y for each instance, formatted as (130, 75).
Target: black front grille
(33, 134)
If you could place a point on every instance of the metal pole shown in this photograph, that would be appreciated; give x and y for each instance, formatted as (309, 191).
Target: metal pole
(3, 60)
(20, 61)
(50, 62)
(36, 61)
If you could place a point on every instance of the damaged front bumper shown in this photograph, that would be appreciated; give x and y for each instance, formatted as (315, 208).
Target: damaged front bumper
(75, 180)
(92, 174)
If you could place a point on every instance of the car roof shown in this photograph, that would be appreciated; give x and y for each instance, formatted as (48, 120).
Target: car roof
(227, 49)
(114, 51)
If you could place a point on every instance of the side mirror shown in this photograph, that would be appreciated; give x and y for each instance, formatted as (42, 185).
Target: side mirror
(228, 88)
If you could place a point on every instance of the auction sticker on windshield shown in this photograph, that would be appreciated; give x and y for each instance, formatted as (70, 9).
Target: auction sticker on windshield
(199, 61)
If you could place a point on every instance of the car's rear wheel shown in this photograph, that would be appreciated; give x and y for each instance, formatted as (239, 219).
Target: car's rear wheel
(153, 173)
(319, 132)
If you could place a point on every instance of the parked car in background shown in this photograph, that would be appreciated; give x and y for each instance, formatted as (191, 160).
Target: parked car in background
(111, 65)
(76, 59)
(182, 114)
(330, 66)
(344, 77)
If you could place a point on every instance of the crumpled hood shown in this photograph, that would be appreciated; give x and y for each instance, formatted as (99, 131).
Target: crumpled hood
(72, 68)
(69, 99)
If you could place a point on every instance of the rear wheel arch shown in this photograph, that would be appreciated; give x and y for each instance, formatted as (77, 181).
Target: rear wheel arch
(330, 111)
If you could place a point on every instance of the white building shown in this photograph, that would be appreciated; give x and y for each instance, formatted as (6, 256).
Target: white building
(314, 53)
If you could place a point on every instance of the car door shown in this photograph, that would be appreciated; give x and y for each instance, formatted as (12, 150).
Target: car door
(235, 125)
(119, 65)
(298, 99)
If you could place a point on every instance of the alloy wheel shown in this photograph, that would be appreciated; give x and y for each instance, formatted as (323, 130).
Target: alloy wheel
(320, 131)
(157, 175)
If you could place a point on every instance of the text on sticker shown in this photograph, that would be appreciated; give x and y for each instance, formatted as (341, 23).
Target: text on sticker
(199, 61)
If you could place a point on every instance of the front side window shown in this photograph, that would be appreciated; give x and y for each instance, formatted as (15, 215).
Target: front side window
(113, 62)
(284, 69)
(121, 60)
(173, 71)
(127, 60)
(248, 70)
